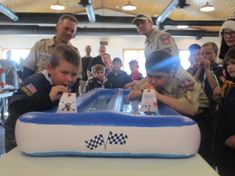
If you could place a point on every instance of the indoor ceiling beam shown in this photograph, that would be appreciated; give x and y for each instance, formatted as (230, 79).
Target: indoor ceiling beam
(35, 29)
(51, 18)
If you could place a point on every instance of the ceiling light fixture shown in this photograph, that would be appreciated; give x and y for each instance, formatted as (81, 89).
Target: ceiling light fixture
(182, 26)
(57, 6)
(6, 11)
(129, 6)
(207, 8)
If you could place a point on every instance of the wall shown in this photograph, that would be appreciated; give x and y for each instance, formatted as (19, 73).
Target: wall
(115, 47)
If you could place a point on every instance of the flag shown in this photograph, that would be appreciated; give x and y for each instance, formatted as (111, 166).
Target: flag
(117, 138)
(95, 142)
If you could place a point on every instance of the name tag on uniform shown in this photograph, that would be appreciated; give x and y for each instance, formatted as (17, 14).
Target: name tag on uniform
(149, 101)
(67, 103)
(43, 56)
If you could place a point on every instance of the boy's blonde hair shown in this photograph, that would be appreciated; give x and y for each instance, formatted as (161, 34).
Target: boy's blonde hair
(213, 46)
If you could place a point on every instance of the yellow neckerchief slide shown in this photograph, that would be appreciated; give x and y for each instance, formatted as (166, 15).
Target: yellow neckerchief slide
(227, 86)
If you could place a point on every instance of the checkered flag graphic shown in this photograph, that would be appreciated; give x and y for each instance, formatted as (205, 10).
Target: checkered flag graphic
(117, 138)
(95, 142)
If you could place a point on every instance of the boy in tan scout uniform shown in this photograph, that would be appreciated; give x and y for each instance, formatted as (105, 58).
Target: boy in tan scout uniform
(181, 92)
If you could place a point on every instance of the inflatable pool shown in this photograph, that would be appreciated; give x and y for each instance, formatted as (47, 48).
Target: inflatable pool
(107, 125)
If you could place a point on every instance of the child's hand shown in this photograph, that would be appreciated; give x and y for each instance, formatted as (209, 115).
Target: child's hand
(217, 91)
(217, 94)
(230, 142)
(147, 85)
(56, 92)
(137, 89)
(206, 63)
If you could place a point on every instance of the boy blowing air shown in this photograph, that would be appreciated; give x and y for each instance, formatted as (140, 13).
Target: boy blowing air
(42, 91)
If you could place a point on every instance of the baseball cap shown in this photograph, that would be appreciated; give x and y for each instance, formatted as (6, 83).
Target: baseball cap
(141, 17)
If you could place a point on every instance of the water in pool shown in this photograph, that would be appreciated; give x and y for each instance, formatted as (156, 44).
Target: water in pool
(101, 102)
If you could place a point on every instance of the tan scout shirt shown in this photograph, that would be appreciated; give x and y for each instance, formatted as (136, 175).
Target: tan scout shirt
(186, 89)
(40, 54)
(160, 40)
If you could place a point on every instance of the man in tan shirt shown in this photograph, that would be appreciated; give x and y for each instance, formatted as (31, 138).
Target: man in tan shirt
(155, 39)
(40, 53)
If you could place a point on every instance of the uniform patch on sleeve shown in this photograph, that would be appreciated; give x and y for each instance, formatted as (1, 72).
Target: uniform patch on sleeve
(29, 89)
(165, 40)
(187, 84)
(188, 96)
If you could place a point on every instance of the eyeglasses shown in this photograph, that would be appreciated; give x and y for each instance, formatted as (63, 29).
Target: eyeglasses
(232, 34)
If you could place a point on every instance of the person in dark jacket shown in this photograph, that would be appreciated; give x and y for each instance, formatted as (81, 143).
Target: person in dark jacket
(85, 62)
(97, 80)
(117, 78)
(225, 137)
(43, 90)
(96, 60)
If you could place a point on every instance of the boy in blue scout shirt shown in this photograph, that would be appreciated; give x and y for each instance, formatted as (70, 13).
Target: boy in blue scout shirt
(42, 91)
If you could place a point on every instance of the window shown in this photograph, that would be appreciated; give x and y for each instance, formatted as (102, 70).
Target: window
(137, 54)
(16, 54)
(184, 55)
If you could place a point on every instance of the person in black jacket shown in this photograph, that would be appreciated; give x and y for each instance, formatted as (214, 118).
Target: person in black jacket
(85, 62)
(97, 80)
(225, 137)
(117, 78)
(96, 60)
(43, 90)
